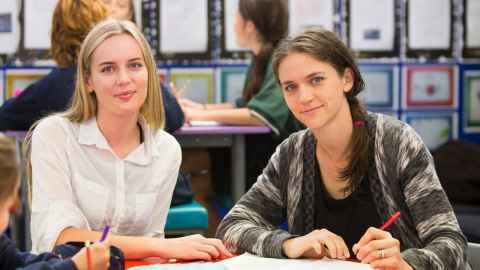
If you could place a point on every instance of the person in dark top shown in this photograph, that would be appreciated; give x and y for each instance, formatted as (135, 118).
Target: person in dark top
(348, 172)
(10, 257)
(71, 22)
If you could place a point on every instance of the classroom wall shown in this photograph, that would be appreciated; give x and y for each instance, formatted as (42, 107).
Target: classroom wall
(435, 89)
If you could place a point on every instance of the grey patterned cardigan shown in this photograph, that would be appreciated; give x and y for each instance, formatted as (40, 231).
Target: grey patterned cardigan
(402, 177)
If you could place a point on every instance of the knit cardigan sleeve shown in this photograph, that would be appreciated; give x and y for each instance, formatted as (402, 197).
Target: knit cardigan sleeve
(252, 224)
(443, 245)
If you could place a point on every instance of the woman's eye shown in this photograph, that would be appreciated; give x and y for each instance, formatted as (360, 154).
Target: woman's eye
(289, 88)
(107, 69)
(317, 80)
(136, 65)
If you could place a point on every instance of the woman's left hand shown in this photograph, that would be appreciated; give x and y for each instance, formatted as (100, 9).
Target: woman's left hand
(379, 249)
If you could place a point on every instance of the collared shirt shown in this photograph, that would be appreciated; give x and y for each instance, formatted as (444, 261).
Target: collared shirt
(78, 181)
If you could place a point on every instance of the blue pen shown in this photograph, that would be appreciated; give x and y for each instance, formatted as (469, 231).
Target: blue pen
(106, 229)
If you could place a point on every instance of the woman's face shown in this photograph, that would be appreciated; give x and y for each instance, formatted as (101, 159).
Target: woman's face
(119, 9)
(313, 89)
(243, 30)
(118, 76)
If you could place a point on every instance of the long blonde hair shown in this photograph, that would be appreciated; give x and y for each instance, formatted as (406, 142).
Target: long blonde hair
(84, 104)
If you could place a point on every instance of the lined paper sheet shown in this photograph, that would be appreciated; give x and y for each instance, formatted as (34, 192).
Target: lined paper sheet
(231, 7)
(250, 262)
(472, 13)
(38, 23)
(372, 29)
(183, 26)
(307, 13)
(9, 27)
(429, 24)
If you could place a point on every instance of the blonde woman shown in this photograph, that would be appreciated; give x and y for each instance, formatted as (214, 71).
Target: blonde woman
(106, 160)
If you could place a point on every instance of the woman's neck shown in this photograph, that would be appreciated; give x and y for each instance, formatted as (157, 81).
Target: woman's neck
(334, 138)
(122, 133)
(255, 46)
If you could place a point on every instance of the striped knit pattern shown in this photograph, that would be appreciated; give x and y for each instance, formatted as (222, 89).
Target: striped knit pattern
(402, 178)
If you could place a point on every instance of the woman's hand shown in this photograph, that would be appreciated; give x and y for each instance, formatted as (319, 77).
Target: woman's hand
(195, 247)
(99, 257)
(316, 245)
(379, 249)
(189, 104)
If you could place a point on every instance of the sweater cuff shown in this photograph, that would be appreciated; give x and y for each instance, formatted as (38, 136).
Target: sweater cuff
(276, 244)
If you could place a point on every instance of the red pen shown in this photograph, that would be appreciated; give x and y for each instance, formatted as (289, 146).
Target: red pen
(390, 221)
(89, 256)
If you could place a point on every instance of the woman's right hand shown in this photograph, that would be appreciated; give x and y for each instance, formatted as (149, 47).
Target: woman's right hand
(195, 247)
(316, 245)
(99, 256)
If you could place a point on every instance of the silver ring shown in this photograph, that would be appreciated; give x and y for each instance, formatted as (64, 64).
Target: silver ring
(382, 253)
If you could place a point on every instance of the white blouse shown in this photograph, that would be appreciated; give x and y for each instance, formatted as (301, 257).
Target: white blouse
(78, 181)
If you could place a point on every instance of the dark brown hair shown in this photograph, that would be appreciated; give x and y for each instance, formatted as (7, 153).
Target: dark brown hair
(9, 168)
(325, 46)
(71, 22)
(270, 18)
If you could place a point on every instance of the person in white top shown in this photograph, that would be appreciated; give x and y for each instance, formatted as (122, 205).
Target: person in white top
(106, 160)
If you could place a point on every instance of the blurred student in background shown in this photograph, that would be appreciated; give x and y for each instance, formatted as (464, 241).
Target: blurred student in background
(259, 26)
(10, 257)
(72, 19)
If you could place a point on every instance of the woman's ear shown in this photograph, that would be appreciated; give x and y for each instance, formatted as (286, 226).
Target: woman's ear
(88, 83)
(250, 28)
(348, 79)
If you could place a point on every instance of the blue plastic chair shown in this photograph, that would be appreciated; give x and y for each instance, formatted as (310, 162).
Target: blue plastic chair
(187, 218)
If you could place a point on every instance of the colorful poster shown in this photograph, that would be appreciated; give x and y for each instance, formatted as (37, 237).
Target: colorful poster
(471, 101)
(231, 83)
(195, 84)
(430, 86)
(435, 128)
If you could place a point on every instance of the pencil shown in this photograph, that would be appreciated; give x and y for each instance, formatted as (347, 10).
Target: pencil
(106, 229)
(89, 256)
(390, 221)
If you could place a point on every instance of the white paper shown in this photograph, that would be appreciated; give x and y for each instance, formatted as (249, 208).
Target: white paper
(137, 6)
(9, 26)
(377, 90)
(38, 23)
(183, 26)
(430, 86)
(472, 13)
(308, 13)
(429, 24)
(251, 262)
(198, 123)
(372, 29)
(231, 7)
